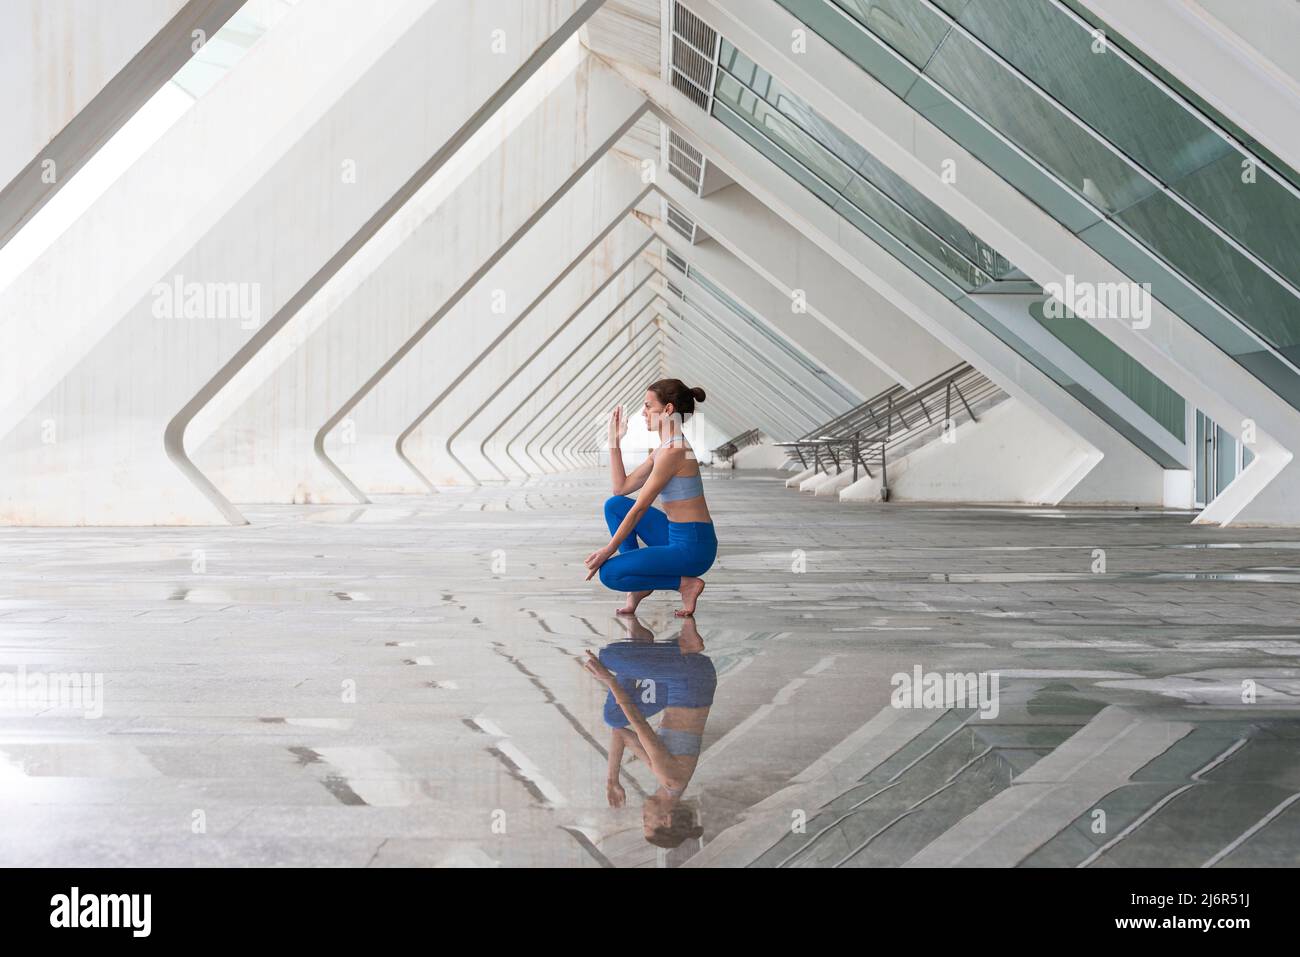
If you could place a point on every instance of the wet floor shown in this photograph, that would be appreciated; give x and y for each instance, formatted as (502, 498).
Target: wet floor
(400, 684)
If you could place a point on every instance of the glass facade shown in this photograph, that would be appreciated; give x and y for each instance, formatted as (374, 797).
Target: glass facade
(1109, 146)
(798, 356)
(784, 128)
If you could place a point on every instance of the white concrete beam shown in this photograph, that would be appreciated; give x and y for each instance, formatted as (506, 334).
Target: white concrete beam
(544, 401)
(264, 438)
(607, 281)
(75, 72)
(578, 395)
(1046, 251)
(869, 324)
(256, 210)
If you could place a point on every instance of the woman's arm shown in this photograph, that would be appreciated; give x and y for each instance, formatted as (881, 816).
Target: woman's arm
(619, 480)
(665, 464)
(617, 429)
(630, 740)
(613, 790)
(651, 750)
(656, 755)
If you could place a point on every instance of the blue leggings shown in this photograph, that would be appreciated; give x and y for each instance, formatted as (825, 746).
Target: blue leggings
(671, 550)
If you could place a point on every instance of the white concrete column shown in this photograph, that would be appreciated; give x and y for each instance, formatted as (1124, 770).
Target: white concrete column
(609, 276)
(530, 373)
(1046, 251)
(594, 397)
(384, 411)
(247, 213)
(264, 437)
(864, 322)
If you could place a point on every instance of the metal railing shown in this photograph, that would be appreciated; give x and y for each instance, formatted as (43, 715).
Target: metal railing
(729, 448)
(864, 436)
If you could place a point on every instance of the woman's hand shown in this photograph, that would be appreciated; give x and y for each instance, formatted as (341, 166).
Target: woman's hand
(598, 671)
(615, 794)
(597, 558)
(617, 427)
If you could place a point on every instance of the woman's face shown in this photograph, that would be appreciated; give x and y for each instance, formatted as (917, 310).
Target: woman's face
(652, 410)
(656, 813)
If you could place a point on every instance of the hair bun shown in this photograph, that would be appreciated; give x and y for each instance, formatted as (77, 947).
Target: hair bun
(698, 393)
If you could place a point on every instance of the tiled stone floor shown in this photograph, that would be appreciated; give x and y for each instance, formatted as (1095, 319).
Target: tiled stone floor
(396, 685)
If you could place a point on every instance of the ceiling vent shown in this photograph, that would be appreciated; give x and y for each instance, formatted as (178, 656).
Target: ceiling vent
(685, 162)
(693, 57)
(677, 262)
(682, 224)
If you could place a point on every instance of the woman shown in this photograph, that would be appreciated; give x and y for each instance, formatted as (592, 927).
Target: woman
(646, 678)
(677, 545)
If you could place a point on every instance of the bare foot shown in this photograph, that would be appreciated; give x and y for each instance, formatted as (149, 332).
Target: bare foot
(634, 598)
(690, 589)
(689, 640)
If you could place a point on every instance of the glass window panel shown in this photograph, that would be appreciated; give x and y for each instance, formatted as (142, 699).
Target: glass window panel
(1036, 125)
(1264, 215)
(1120, 369)
(834, 172)
(1225, 449)
(952, 7)
(769, 149)
(1187, 94)
(1056, 52)
(998, 155)
(1222, 272)
(909, 27)
(856, 158)
(860, 46)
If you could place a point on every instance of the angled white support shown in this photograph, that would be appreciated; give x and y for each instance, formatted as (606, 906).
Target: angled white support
(247, 214)
(552, 281)
(858, 316)
(608, 284)
(1046, 251)
(576, 397)
(550, 389)
(262, 438)
(76, 73)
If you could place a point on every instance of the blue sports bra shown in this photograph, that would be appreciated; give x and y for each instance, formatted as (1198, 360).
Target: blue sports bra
(681, 486)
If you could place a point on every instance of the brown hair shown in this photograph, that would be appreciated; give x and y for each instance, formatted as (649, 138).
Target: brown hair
(685, 826)
(678, 394)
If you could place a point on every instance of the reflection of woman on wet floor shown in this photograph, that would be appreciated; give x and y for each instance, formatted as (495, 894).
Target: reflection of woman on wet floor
(645, 678)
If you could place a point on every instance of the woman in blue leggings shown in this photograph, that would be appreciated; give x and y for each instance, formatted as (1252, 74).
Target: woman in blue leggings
(672, 679)
(666, 549)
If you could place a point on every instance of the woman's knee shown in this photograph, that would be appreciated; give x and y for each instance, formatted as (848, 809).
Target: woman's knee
(617, 505)
(610, 578)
